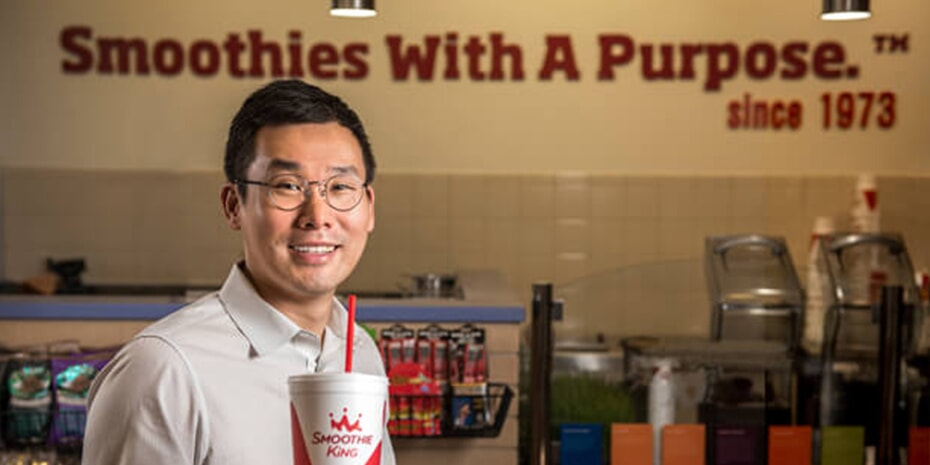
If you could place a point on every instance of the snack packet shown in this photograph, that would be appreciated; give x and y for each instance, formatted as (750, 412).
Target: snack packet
(71, 377)
(28, 381)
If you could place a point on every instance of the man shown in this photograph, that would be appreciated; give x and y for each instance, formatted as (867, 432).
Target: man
(208, 384)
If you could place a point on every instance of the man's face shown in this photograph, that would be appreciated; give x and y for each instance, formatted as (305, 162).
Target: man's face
(293, 256)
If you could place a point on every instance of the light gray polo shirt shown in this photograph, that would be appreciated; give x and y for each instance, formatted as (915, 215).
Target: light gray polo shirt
(208, 384)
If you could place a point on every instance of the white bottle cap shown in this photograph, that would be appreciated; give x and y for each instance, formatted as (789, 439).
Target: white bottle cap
(823, 225)
(665, 364)
(865, 182)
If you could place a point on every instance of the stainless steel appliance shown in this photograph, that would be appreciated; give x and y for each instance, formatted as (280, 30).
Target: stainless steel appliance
(757, 300)
(753, 289)
(856, 266)
(872, 329)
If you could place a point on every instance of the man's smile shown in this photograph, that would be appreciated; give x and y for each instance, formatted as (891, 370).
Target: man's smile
(312, 249)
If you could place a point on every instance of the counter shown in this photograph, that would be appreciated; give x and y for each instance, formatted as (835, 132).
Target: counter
(155, 307)
(108, 320)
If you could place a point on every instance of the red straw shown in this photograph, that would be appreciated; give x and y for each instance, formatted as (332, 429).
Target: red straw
(350, 333)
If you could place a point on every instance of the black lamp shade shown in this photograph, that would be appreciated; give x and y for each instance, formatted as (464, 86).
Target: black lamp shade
(839, 10)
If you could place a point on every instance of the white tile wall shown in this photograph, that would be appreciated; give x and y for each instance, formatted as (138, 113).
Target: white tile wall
(159, 227)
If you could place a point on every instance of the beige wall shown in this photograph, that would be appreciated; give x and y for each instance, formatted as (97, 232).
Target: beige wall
(625, 126)
(157, 227)
(545, 180)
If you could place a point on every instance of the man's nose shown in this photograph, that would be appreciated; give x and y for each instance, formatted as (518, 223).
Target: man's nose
(315, 212)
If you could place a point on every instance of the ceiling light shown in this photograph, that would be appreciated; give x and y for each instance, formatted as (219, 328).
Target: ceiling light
(353, 8)
(844, 10)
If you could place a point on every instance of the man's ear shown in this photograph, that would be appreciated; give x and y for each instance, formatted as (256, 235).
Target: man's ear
(371, 209)
(232, 206)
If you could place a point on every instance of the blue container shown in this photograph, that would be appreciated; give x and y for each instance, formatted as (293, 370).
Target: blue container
(581, 444)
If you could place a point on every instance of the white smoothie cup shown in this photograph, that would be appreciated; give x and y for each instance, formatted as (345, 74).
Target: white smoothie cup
(338, 418)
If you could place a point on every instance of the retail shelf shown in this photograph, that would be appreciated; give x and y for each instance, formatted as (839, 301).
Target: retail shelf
(375, 310)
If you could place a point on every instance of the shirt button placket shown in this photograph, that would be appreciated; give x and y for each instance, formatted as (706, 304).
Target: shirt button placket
(304, 345)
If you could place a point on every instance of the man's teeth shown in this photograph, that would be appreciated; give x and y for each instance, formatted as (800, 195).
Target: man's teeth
(313, 248)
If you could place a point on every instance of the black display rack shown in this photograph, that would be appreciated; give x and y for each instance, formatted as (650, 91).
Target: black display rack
(449, 415)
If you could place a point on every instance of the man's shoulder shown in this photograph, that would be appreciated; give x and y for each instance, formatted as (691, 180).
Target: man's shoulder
(196, 317)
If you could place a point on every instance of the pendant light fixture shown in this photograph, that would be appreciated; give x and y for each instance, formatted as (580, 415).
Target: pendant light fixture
(844, 10)
(353, 8)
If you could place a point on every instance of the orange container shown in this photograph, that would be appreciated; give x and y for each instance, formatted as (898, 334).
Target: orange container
(790, 445)
(683, 445)
(630, 444)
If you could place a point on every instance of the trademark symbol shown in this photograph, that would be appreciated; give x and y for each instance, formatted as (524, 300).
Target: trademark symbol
(890, 43)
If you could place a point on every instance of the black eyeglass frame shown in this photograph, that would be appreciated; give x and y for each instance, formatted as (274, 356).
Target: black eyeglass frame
(306, 190)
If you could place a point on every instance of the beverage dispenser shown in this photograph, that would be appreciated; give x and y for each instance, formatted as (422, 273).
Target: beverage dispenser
(754, 290)
(858, 269)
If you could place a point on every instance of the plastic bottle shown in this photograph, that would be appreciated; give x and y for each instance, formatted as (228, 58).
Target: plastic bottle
(865, 214)
(814, 311)
(661, 404)
(865, 218)
(922, 279)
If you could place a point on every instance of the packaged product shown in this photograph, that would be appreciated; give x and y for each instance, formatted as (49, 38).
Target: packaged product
(71, 379)
(433, 352)
(416, 402)
(468, 355)
(28, 381)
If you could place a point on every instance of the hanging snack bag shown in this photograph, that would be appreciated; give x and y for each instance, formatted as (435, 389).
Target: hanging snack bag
(392, 344)
(397, 344)
(476, 357)
(458, 340)
(433, 352)
(71, 379)
(468, 361)
(28, 381)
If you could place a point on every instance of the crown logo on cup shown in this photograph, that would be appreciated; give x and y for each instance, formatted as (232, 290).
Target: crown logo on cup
(343, 424)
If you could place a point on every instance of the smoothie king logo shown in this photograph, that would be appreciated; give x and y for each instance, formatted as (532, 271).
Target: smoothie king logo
(345, 437)
(343, 424)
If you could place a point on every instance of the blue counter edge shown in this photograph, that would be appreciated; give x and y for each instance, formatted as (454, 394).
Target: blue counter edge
(154, 311)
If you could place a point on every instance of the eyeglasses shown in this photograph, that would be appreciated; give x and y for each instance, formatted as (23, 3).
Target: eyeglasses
(288, 192)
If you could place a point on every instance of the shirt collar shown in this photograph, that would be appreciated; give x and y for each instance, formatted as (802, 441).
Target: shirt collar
(264, 326)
